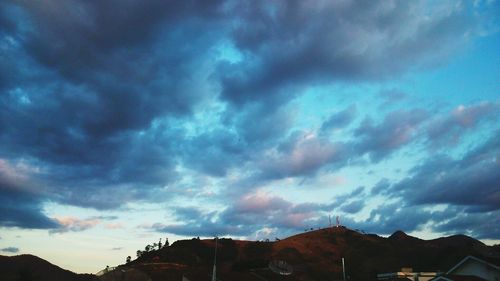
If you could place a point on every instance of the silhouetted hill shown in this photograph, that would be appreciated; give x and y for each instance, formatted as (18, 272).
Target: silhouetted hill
(32, 268)
(401, 236)
(315, 255)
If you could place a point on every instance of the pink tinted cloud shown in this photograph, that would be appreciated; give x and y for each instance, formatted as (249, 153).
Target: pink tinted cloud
(451, 127)
(305, 154)
(297, 220)
(260, 202)
(16, 174)
(75, 224)
(468, 116)
(273, 210)
(113, 226)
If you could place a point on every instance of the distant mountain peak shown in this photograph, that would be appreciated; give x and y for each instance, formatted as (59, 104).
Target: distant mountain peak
(398, 235)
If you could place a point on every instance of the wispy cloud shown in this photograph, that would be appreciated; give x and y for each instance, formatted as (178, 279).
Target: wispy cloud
(11, 250)
(76, 224)
(101, 111)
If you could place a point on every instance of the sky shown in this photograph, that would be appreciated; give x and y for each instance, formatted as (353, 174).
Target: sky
(123, 122)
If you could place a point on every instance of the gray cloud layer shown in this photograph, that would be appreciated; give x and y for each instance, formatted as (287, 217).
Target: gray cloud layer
(100, 102)
(11, 250)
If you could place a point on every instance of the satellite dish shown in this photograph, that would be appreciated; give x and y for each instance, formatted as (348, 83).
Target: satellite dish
(280, 267)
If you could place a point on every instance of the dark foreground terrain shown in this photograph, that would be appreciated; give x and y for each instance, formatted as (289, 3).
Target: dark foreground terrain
(31, 268)
(314, 255)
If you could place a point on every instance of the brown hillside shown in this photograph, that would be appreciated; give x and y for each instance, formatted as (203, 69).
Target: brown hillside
(315, 255)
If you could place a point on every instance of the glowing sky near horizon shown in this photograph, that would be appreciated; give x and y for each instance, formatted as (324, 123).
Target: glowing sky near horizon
(122, 122)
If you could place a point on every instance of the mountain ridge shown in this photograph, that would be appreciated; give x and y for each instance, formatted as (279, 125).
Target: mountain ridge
(313, 255)
(28, 267)
(318, 254)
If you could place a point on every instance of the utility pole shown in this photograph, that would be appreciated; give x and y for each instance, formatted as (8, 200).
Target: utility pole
(215, 261)
(343, 268)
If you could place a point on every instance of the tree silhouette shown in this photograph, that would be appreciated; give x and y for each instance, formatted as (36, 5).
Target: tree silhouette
(129, 258)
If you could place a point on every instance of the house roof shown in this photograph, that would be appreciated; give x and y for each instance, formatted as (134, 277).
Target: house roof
(452, 277)
(469, 258)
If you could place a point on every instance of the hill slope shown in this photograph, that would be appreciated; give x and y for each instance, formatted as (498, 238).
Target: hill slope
(315, 255)
(32, 268)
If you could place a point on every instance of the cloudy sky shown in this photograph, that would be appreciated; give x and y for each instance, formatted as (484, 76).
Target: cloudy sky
(122, 122)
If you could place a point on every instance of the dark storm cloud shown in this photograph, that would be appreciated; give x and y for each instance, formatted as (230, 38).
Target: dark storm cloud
(276, 154)
(472, 180)
(215, 152)
(246, 217)
(246, 133)
(11, 250)
(382, 187)
(480, 225)
(94, 71)
(89, 77)
(77, 36)
(302, 154)
(97, 95)
(353, 207)
(113, 53)
(398, 128)
(449, 129)
(20, 207)
(359, 191)
(107, 175)
(388, 218)
(467, 185)
(261, 123)
(188, 214)
(452, 220)
(253, 212)
(195, 222)
(391, 97)
(289, 42)
(86, 89)
(340, 119)
(350, 202)
(24, 210)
